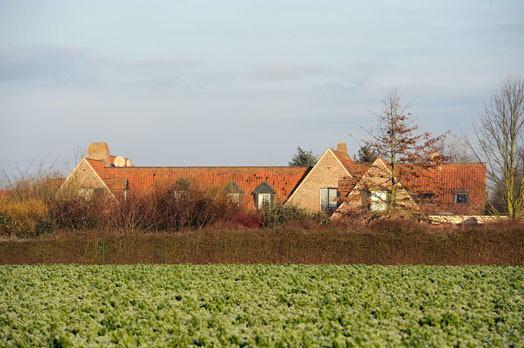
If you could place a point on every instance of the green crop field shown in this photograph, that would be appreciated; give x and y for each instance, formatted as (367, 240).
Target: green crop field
(261, 305)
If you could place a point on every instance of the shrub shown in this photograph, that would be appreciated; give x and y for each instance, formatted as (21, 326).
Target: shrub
(280, 214)
(248, 218)
(23, 218)
(78, 212)
(135, 213)
(44, 226)
(7, 224)
(176, 209)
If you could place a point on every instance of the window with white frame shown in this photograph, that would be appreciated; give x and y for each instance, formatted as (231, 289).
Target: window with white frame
(379, 201)
(328, 199)
(234, 192)
(264, 199)
(234, 197)
(264, 196)
(180, 195)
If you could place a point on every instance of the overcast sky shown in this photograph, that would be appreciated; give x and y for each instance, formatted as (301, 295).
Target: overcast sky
(239, 82)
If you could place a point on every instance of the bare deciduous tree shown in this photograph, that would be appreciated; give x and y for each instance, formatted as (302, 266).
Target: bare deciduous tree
(456, 149)
(499, 139)
(394, 140)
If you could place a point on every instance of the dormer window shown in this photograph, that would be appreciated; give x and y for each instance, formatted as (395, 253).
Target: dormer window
(234, 192)
(264, 195)
(234, 197)
(180, 189)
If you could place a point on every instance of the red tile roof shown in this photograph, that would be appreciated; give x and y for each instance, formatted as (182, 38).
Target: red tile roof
(98, 166)
(356, 169)
(343, 158)
(116, 184)
(140, 179)
(448, 176)
(447, 180)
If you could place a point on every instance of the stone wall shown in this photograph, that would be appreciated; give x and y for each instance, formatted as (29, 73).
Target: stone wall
(464, 219)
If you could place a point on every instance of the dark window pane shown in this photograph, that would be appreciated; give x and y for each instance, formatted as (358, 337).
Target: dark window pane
(328, 199)
(461, 197)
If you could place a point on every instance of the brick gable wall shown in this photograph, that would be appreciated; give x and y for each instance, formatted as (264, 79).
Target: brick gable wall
(84, 176)
(325, 174)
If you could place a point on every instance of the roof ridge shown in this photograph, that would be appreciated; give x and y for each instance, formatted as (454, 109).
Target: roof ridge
(251, 166)
(139, 167)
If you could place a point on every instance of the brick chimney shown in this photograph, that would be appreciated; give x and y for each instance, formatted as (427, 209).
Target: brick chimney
(99, 151)
(341, 147)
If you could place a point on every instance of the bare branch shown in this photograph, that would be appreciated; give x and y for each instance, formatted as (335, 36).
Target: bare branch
(499, 140)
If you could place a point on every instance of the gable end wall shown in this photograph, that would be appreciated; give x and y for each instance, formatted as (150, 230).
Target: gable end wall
(83, 176)
(325, 174)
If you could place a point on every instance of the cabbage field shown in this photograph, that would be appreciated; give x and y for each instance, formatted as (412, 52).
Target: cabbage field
(260, 306)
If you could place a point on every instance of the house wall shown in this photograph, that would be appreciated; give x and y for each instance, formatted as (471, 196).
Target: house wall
(83, 176)
(326, 174)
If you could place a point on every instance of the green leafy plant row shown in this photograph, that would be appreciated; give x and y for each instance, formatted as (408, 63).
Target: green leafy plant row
(260, 306)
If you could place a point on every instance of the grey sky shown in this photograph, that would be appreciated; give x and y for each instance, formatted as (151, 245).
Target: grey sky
(239, 82)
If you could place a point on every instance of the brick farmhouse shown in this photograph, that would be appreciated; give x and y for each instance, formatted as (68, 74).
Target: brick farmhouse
(333, 184)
